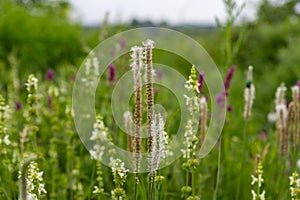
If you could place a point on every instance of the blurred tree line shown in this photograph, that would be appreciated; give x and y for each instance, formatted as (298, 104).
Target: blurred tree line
(39, 34)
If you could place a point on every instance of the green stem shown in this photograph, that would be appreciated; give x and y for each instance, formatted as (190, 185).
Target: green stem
(187, 178)
(243, 159)
(135, 186)
(193, 183)
(228, 44)
(219, 170)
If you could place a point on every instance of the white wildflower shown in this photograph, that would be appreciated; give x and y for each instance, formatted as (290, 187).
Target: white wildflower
(35, 185)
(272, 117)
(32, 83)
(249, 94)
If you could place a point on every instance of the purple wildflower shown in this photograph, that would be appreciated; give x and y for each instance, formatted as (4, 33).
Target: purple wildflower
(201, 82)
(111, 73)
(262, 135)
(18, 106)
(229, 77)
(50, 75)
(123, 44)
(229, 108)
(221, 98)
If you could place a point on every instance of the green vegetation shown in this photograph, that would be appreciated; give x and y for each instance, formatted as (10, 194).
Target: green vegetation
(37, 131)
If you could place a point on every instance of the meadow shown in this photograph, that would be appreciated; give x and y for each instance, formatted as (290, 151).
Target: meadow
(44, 155)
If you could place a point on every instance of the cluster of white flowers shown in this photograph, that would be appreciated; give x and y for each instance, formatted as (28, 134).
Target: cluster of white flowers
(280, 106)
(4, 137)
(258, 180)
(119, 174)
(118, 169)
(147, 56)
(137, 64)
(192, 103)
(100, 134)
(249, 93)
(34, 182)
(296, 92)
(92, 62)
(295, 186)
(159, 142)
(32, 84)
(91, 70)
(192, 84)
(190, 141)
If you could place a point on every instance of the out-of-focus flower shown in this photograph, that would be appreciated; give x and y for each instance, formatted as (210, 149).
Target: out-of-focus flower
(159, 74)
(229, 77)
(49, 75)
(262, 135)
(229, 108)
(123, 44)
(18, 106)
(111, 73)
(298, 163)
(201, 82)
(112, 52)
(221, 99)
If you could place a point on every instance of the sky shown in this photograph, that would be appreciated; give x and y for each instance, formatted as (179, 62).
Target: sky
(92, 12)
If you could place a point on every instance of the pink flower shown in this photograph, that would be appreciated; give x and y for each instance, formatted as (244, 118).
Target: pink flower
(18, 106)
(49, 75)
(262, 135)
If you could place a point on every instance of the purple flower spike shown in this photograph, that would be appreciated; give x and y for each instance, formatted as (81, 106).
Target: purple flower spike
(201, 82)
(50, 75)
(229, 77)
(123, 44)
(18, 106)
(111, 73)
